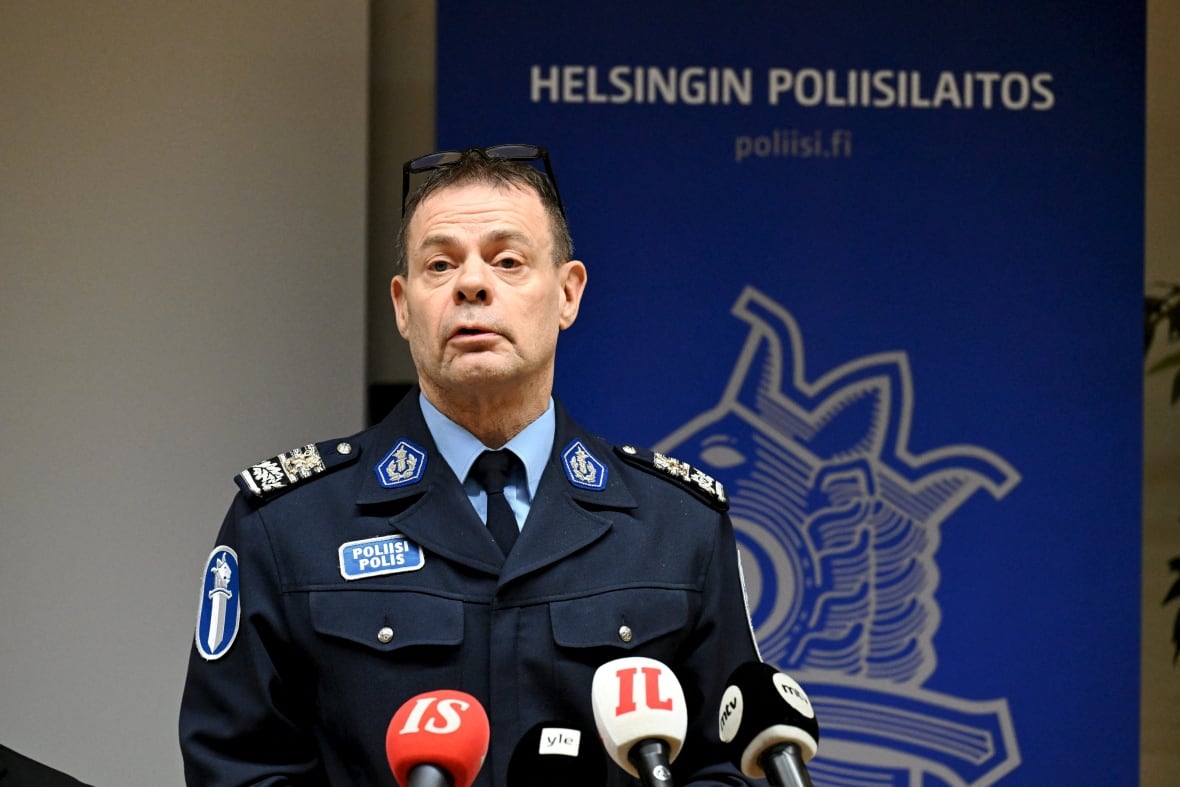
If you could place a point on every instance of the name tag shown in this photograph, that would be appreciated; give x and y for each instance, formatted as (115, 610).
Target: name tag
(373, 557)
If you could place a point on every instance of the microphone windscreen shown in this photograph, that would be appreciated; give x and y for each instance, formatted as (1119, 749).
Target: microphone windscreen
(557, 753)
(445, 728)
(762, 707)
(637, 699)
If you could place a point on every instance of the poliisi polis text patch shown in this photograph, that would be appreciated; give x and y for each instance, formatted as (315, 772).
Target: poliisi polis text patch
(373, 557)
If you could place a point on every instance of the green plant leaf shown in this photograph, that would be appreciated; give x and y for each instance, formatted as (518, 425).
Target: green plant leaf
(1173, 593)
(1166, 362)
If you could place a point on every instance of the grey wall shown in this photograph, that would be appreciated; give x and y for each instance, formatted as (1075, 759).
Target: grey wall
(401, 126)
(182, 293)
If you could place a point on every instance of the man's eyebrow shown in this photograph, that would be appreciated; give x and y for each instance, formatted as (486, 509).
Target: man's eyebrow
(437, 239)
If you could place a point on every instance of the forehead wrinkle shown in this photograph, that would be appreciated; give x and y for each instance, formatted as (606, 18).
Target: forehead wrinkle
(445, 239)
(509, 235)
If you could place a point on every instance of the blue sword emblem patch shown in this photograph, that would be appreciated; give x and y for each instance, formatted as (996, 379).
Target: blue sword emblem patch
(221, 604)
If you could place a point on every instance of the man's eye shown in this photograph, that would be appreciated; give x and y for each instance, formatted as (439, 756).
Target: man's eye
(438, 266)
(508, 262)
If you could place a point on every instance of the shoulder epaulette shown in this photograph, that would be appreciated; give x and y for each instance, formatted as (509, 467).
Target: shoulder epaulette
(696, 481)
(272, 477)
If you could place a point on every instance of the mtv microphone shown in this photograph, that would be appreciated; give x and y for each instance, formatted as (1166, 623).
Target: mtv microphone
(640, 714)
(768, 725)
(437, 739)
(559, 754)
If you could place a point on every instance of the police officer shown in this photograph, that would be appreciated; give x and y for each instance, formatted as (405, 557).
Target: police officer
(354, 574)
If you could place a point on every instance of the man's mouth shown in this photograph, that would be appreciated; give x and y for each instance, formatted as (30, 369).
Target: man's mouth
(465, 331)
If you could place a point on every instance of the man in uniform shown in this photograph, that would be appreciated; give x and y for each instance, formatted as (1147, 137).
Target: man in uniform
(354, 574)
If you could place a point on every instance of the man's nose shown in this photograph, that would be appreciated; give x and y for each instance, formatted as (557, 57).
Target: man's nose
(473, 282)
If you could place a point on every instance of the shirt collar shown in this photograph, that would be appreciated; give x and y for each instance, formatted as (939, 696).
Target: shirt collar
(460, 448)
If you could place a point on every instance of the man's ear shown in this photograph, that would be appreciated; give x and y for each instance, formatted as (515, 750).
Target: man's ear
(573, 284)
(397, 294)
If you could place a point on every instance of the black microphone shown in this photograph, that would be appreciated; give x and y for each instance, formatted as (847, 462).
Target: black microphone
(768, 725)
(557, 753)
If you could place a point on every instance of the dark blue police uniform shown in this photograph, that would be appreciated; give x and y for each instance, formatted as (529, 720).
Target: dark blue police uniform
(352, 575)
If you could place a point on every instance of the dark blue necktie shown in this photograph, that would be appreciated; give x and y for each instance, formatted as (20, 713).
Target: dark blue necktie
(491, 470)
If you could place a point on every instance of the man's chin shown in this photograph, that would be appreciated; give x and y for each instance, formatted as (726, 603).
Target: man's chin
(477, 372)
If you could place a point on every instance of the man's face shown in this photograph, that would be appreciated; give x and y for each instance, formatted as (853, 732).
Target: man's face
(482, 302)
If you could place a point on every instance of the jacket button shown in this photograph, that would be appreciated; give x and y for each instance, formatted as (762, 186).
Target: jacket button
(625, 633)
(385, 635)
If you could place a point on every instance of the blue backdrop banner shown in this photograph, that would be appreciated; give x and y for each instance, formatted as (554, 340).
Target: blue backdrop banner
(879, 270)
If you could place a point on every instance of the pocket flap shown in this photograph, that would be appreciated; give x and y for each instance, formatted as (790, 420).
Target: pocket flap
(387, 621)
(618, 618)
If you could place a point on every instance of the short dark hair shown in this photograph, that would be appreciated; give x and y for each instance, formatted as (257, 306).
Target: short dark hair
(476, 167)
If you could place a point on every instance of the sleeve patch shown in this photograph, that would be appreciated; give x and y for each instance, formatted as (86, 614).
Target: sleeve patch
(220, 609)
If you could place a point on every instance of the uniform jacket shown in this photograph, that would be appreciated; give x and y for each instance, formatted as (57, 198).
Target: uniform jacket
(645, 565)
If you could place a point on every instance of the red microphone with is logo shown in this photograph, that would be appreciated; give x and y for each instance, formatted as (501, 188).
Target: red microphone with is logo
(437, 739)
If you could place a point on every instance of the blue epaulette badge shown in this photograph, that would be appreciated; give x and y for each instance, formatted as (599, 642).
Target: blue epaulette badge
(402, 466)
(582, 468)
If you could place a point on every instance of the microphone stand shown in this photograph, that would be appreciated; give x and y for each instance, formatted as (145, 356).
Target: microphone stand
(783, 763)
(425, 774)
(650, 758)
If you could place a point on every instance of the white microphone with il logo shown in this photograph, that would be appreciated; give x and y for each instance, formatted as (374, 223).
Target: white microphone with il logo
(640, 714)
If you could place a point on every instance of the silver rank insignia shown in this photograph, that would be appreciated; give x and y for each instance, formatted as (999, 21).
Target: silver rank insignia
(699, 482)
(281, 471)
(582, 468)
(278, 474)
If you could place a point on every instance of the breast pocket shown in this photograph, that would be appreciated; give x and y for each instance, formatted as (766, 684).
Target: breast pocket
(385, 643)
(387, 621)
(632, 622)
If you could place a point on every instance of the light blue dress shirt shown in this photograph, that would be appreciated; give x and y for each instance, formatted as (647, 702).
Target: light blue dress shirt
(460, 449)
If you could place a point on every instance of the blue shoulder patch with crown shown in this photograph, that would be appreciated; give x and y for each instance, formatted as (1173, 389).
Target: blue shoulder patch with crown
(696, 481)
(272, 477)
(582, 468)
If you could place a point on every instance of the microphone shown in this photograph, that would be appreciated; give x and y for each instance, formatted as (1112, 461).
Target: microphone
(437, 739)
(556, 753)
(768, 725)
(640, 714)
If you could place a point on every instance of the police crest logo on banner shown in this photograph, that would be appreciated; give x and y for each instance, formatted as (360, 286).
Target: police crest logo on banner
(838, 523)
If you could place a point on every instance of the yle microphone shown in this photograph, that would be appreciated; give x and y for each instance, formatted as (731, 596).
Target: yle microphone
(640, 714)
(768, 725)
(437, 739)
(557, 754)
